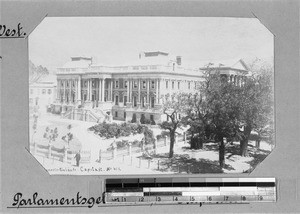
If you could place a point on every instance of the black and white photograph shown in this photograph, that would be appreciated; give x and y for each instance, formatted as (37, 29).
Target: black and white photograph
(151, 95)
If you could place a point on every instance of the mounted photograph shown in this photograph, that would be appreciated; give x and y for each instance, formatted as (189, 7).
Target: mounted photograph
(151, 95)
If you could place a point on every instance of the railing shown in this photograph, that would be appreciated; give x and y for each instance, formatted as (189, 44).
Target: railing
(85, 115)
(59, 154)
(135, 156)
(133, 150)
(135, 68)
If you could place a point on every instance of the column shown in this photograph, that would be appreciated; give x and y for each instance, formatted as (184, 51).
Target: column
(156, 92)
(90, 89)
(99, 90)
(139, 92)
(58, 90)
(103, 89)
(79, 89)
(111, 89)
(148, 82)
(128, 88)
(64, 91)
(71, 91)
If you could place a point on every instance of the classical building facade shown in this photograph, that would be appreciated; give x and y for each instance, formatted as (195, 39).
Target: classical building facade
(88, 91)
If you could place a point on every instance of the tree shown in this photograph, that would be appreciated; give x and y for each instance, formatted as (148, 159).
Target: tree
(173, 107)
(196, 118)
(36, 72)
(221, 110)
(256, 103)
(69, 136)
(50, 134)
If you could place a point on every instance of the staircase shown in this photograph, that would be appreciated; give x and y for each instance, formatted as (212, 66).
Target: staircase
(85, 114)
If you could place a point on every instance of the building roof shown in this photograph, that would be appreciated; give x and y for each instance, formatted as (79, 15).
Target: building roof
(156, 61)
(236, 63)
(78, 62)
(46, 80)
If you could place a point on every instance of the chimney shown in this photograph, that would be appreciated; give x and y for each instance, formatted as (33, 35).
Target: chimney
(178, 60)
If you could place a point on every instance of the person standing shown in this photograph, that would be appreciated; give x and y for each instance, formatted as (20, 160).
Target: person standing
(77, 157)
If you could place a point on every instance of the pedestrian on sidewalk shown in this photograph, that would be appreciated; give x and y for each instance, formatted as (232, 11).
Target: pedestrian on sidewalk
(77, 157)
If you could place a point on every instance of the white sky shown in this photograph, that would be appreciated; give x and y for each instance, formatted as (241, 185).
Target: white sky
(118, 40)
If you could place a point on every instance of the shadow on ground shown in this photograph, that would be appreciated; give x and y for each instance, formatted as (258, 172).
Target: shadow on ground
(185, 164)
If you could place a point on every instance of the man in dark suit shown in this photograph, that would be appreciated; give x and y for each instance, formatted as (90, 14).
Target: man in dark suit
(77, 157)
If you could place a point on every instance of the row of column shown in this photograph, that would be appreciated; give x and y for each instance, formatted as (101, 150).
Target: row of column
(130, 90)
(79, 90)
(237, 80)
(76, 86)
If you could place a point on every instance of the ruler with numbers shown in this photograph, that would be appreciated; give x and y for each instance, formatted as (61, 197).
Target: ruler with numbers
(189, 190)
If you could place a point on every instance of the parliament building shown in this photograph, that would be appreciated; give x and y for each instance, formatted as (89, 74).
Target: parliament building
(91, 92)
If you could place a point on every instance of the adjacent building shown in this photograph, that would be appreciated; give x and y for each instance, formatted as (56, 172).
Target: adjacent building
(88, 91)
(42, 93)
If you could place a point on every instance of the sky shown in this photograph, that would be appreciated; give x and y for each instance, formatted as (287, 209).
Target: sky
(119, 40)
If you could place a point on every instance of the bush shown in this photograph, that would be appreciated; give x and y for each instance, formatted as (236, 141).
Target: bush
(110, 130)
(148, 135)
(147, 121)
(152, 122)
(143, 119)
(133, 120)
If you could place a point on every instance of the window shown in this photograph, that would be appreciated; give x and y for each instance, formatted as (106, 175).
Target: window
(125, 100)
(134, 102)
(135, 67)
(152, 102)
(105, 96)
(172, 85)
(195, 85)
(124, 115)
(117, 100)
(167, 84)
(151, 117)
(62, 83)
(189, 85)
(144, 84)
(135, 84)
(178, 85)
(144, 67)
(117, 84)
(143, 101)
(116, 114)
(85, 83)
(44, 91)
(126, 84)
(67, 83)
(152, 84)
(49, 91)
